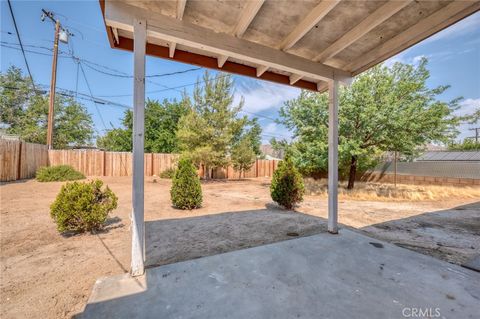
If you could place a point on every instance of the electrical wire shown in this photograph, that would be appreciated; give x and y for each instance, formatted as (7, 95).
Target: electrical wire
(21, 44)
(91, 94)
(124, 75)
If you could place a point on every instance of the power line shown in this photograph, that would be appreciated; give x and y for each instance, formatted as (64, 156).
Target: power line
(147, 76)
(89, 64)
(21, 44)
(91, 94)
(87, 97)
(166, 89)
(70, 93)
(259, 115)
(125, 75)
(7, 45)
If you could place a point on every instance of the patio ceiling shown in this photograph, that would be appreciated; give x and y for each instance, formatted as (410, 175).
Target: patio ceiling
(299, 43)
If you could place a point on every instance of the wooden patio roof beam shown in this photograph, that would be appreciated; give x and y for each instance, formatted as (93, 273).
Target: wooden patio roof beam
(317, 14)
(211, 63)
(435, 22)
(180, 10)
(248, 14)
(166, 28)
(368, 24)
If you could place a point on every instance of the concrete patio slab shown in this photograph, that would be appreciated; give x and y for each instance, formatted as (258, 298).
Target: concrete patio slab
(322, 276)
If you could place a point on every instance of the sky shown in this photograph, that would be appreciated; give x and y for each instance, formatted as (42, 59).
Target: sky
(105, 73)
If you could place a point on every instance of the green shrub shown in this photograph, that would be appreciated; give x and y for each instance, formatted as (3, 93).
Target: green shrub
(168, 173)
(287, 185)
(186, 191)
(58, 173)
(81, 207)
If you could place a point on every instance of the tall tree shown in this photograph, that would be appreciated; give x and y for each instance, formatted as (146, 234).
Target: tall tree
(25, 111)
(16, 92)
(213, 125)
(385, 109)
(243, 157)
(161, 120)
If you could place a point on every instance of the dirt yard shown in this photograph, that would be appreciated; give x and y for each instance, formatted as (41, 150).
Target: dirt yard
(46, 275)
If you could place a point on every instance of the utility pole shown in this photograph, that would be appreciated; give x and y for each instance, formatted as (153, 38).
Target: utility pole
(53, 81)
(477, 134)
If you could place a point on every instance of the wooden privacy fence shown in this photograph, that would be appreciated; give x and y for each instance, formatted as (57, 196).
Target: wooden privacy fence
(101, 163)
(20, 160)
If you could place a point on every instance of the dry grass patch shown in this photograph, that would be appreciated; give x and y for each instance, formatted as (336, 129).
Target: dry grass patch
(388, 192)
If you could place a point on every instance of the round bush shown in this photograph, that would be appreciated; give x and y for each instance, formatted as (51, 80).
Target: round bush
(58, 173)
(186, 191)
(287, 187)
(81, 207)
(168, 173)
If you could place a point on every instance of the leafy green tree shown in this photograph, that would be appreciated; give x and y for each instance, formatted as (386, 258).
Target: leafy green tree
(26, 113)
(15, 94)
(161, 120)
(119, 139)
(213, 125)
(385, 109)
(243, 156)
(466, 145)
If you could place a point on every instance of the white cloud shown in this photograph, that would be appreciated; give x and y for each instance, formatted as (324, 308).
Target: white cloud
(468, 106)
(277, 131)
(263, 96)
(403, 58)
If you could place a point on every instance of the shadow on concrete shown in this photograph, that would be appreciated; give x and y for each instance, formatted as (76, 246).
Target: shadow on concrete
(450, 234)
(174, 240)
(321, 276)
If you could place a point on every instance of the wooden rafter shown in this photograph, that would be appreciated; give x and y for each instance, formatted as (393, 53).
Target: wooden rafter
(368, 24)
(294, 78)
(246, 17)
(115, 35)
(165, 28)
(261, 69)
(317, 14)
(431, 24)
(248, 14)
(182, 56)
(180, 10)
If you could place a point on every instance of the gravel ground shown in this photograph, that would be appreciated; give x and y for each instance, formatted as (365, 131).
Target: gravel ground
(44, 274)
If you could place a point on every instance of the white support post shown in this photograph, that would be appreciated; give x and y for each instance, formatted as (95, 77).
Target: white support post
(333, 156)
(138, 226)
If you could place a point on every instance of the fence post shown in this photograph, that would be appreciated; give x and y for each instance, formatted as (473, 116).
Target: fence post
(104, 164)
(151, 164)
(19, 162)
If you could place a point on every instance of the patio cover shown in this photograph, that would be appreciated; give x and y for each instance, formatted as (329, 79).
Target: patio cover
(308, 44)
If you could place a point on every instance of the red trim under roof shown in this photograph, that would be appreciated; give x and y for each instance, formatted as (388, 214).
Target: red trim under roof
(204, 61)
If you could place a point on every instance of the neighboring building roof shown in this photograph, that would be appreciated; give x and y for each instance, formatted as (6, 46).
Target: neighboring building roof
(462, 156)
(9, 136)
(270, 153)
(433, 147)
(271, 158)
(447, 169)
